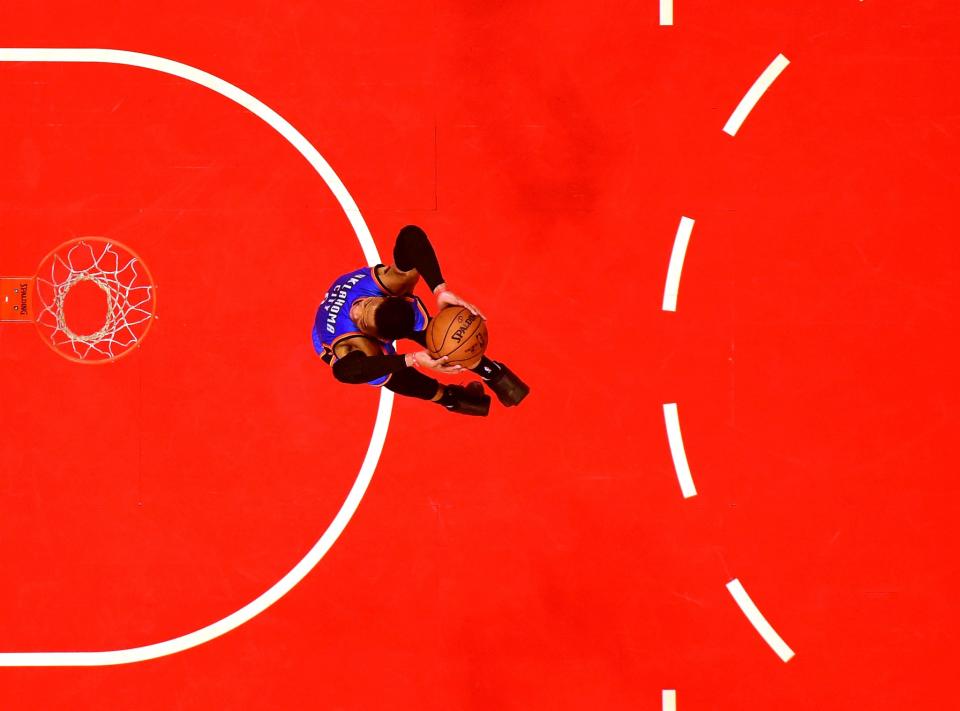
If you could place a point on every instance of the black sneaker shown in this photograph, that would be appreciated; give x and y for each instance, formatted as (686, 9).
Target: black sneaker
(469, 400)
(508, 388)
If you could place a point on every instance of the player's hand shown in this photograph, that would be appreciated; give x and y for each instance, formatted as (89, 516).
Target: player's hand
(448, 298)
(422, 359)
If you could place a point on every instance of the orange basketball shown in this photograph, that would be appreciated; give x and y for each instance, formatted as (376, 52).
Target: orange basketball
(459, 334)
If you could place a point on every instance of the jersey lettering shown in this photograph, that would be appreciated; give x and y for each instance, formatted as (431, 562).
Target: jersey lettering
(333, 317)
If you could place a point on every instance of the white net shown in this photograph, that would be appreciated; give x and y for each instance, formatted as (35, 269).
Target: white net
(128, 289)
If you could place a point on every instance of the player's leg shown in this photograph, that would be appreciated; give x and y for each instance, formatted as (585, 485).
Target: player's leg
(504, 383)
(469, 400)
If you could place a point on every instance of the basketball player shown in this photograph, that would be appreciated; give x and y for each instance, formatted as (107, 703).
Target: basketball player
(367, 309)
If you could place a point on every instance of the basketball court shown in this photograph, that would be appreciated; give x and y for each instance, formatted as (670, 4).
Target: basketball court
(717, 240)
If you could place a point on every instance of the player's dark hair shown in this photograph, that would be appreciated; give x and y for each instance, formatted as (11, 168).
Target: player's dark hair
(393, 318)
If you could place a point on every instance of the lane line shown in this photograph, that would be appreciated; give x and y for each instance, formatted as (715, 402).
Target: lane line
(672, 420)
(759, 622)
(666, 12)
(677, 255)
(753, 95)
(380, 427)
(669, 700)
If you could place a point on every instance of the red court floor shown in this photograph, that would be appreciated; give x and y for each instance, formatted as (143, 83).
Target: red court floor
(543, 557)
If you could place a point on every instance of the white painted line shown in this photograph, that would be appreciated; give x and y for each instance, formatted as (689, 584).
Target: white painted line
(666, 12)
(680, 243)
(751, 98)
(382, 423)
(672, 420)
(769, 634)
(669, 700)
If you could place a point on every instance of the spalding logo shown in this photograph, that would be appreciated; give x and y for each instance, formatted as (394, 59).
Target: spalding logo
(458, 334)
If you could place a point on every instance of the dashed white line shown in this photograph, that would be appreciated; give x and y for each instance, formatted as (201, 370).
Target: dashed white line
(680, 242)
(752, 96)
(669, 700)
(672, 420)
(666, 12)
(759, 622)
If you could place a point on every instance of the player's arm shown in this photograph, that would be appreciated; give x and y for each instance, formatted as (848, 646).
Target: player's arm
(413, 254)
(395, 281)
(360, 360)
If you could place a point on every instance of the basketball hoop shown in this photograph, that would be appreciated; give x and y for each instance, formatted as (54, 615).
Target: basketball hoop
(110, 270)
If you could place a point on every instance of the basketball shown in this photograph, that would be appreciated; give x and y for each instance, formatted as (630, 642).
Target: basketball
(458, 334)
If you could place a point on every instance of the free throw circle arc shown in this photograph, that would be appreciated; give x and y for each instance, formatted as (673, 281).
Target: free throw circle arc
(381, 424)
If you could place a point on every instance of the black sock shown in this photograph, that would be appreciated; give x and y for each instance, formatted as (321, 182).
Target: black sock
(487, 369)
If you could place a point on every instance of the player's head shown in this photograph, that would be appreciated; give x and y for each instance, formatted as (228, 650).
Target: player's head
(393, 318)
(386, 318)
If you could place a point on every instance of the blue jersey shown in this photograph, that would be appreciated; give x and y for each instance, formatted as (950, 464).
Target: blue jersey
(333, 323)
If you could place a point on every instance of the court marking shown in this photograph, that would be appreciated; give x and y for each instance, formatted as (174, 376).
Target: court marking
(759, 622)
(672, 420)
(677, 255)
(666, 12)
(382, 423)
(753, 95)
(669, 698)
